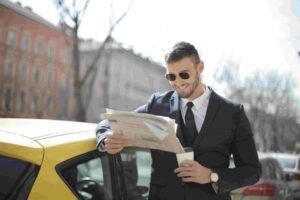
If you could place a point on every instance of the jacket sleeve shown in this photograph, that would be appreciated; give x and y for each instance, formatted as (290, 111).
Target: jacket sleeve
(247, 169)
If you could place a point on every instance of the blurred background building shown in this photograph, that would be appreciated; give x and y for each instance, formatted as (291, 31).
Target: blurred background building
(37, 73)
(124, 79)
(36, 65)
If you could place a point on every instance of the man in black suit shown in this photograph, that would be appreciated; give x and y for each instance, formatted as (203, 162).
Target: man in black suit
(213, 126)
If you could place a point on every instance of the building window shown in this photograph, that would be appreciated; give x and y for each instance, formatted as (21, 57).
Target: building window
(34, 103)
(64, 103)
(64, 95)
(64, 82)
(25, 45)
(11, 38)
(36, 73)
(38, 48)
(23, 71)
(50, 76)
(1, 29)
(48, 105)
(51, 50)
(8, 68)
(22, 97)
(7, 99)
(66, 58)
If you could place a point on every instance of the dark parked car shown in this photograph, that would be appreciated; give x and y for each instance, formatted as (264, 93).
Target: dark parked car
(271, 186)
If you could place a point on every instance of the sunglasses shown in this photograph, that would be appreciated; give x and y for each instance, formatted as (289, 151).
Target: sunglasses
(182, 75)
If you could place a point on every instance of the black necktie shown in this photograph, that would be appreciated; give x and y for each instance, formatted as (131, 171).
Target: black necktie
(190, 124)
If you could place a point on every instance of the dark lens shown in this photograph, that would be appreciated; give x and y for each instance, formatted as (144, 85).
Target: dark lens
(171, 77)
(184, 75)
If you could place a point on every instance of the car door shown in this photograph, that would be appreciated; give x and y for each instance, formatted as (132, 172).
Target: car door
(93, 176)
(135, 171)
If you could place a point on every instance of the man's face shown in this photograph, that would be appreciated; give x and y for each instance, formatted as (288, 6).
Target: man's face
(190, 87)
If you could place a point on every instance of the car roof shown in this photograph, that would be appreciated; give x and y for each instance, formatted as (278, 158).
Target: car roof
(42, 128)
(263, 155)
(28, 139)
(285, 155)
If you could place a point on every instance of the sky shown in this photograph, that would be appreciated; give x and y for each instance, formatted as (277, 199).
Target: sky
(258, 34)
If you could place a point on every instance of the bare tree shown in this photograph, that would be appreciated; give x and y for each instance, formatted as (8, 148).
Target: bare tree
(72, 15)
(270, 102)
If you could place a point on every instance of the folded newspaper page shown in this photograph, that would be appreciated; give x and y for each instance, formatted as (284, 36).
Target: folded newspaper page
(145, 130)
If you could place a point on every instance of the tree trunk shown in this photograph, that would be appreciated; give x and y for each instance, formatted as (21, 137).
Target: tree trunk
(106, 79)
(79, 108)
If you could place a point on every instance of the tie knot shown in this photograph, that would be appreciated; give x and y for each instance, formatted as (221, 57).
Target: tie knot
(189, 104)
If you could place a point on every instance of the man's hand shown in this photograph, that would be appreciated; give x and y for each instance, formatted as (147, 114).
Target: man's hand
(192, 171)
(115, 143)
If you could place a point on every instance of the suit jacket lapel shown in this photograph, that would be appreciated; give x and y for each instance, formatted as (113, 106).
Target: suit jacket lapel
(175, 114)
(212, 109)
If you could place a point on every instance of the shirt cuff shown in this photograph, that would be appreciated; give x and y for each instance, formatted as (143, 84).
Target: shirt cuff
(101, 146)
(215, 187)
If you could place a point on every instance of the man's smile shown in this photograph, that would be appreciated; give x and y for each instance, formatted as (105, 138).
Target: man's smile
(183, 87)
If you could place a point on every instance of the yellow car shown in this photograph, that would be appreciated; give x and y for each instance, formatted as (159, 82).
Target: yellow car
(50, 159)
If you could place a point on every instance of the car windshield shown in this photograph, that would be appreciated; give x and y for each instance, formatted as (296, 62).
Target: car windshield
(287, 163)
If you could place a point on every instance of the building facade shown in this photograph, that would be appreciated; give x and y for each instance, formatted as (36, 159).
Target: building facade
(35, 65)
(36, 73)
(124, 79)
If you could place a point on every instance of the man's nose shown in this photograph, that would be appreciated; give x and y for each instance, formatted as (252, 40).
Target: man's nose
(178, 81)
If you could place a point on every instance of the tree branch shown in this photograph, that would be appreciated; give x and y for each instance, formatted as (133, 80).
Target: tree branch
(60, 4)
(83, 11)
(101, 48)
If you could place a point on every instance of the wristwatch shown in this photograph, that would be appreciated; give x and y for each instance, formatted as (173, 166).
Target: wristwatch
(214, 177)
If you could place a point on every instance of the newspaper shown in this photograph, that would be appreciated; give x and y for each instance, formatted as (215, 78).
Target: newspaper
(145, 130)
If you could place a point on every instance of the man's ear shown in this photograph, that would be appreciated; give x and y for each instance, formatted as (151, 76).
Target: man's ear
(200, 66)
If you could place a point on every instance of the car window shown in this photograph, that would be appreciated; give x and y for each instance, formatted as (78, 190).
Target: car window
(277, 170)
(272, 170)
(265, 169)
(144, 167)
(17, 178)
(136, 164)
(287, 163)
(88, 176)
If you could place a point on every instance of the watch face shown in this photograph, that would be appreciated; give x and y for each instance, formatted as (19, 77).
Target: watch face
(214, 177)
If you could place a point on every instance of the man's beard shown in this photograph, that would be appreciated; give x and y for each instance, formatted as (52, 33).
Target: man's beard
(195, 84)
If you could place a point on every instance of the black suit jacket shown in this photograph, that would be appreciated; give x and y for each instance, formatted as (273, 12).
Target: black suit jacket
(226, 131)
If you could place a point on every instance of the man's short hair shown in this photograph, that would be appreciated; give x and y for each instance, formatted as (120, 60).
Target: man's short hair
(181, 50)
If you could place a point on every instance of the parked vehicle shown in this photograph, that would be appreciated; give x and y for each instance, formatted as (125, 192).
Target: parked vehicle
(271, 186)
(50, 159)
(291, 166)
